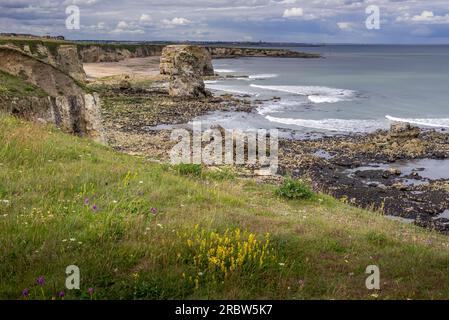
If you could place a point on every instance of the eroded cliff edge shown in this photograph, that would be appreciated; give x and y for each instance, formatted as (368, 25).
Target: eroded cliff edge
(54, 96)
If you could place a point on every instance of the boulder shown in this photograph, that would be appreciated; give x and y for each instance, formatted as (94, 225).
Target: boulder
(186, 68)
(204, 62)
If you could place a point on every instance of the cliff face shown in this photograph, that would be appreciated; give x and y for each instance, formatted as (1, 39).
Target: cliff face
(114, 53)
(62, 56)
(66, 103)
(186, 66)
(203, 59)
(234, 52)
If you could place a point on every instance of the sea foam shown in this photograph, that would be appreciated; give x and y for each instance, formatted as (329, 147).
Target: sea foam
(428, 122)
(315, 94)
(338, 125)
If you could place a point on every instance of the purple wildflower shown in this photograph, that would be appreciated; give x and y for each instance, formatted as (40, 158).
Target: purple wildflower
(86, 201)
(154, 211)
(94, 207)
(90, 291)
(40, 281)
(61, 294)
(26, 292)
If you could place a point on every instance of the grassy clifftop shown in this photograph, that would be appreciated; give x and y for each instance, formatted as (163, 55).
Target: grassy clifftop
(140, 230)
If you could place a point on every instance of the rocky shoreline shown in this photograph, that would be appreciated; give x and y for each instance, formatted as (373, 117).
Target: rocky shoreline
(364, 170)
(380, 171)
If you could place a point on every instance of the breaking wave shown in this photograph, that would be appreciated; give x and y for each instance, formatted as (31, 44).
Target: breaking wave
(315, 94)
(338, 125)
(428, 122)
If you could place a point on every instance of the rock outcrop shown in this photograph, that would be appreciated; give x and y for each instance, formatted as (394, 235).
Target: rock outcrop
(67, 104)
(114, 53)
(235, 52)
(403, 130)
(202, 54)
(62, 56)
(186, 65)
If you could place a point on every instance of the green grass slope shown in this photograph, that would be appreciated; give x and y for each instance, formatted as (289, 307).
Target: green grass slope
(12, 86)
(139, 230)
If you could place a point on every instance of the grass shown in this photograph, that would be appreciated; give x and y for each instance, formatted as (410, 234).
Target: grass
(66, 201)
(12, 86)
(51, 44)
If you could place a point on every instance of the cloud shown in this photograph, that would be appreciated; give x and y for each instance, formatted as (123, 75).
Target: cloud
(177, 21)
(288, 2)
(231, 20)
(126, 27)
(426, 17)
(122, 25)
(346, 26)
(293, 12)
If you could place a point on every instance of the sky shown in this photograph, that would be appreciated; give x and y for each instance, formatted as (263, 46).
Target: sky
(310, 21)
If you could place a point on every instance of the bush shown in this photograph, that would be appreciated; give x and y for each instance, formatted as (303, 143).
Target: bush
(189, 169)
(294, 189)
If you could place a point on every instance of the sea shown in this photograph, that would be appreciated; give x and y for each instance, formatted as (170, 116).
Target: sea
(351, 89)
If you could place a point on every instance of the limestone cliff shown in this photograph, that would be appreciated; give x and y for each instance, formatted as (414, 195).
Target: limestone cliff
(186, 66)
(90, 53)
(236, 52)
(203, 57)
(66, 104)
(59, 54)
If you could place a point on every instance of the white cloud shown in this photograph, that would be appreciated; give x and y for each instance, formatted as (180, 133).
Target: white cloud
(125, 27)
(145, 18)
(122, 25)
(426, 17)
(293, 12)
(345, 26)
(177, 21)
(288, 2)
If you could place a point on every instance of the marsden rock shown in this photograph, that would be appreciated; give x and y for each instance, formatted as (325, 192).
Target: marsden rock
(186, 69)
(203, 63)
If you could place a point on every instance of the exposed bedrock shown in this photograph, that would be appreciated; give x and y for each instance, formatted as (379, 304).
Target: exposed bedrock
(67, 105)
(203, 59)
(186, 66)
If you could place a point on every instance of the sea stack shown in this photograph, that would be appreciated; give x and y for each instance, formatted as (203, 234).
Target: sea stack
(186, 66)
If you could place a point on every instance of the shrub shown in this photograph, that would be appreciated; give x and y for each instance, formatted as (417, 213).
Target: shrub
(189, 169)
(294, 189)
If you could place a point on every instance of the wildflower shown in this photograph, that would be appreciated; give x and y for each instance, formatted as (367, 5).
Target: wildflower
(140, 182)
(26, 292)
(281, 264)
(86, 201)
(160, 225)
(40, 281)
(61, 294)
(94, 207)
(154, 211)
(72, 239)
(5, 201)
(90, 291)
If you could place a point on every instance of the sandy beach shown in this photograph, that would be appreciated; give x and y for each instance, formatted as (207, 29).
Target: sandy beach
(146, 67)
